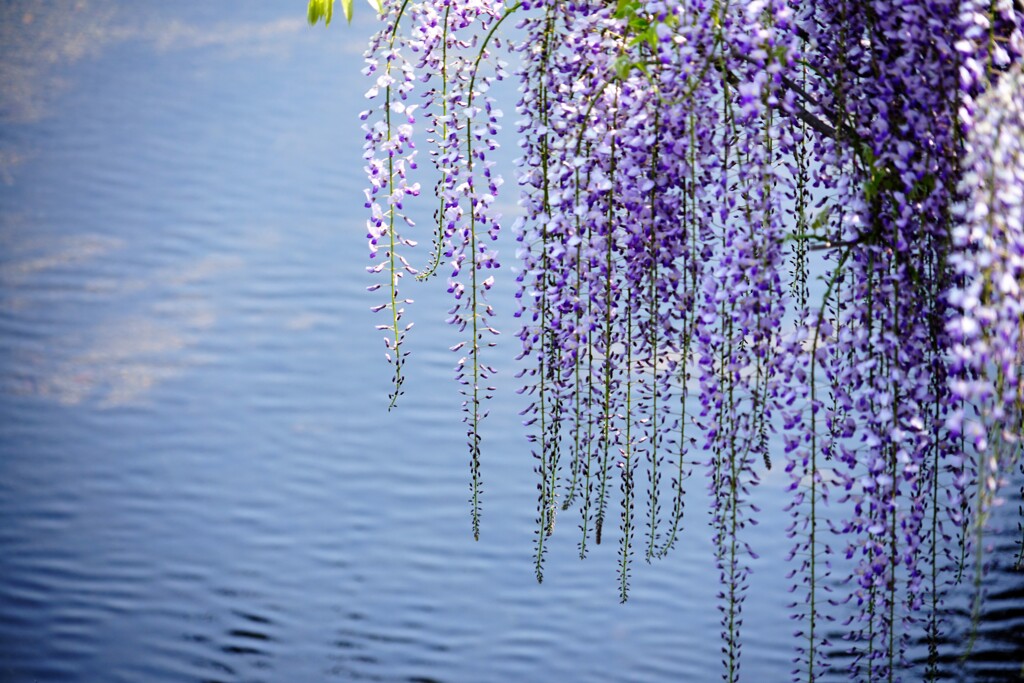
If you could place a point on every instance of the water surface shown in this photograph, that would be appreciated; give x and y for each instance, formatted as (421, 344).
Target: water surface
(199, 477)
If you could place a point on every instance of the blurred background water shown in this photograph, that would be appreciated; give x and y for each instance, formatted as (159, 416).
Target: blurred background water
(199, 477)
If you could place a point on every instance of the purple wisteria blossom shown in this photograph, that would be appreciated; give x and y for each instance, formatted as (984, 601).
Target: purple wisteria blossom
(433, 46)
(988, 331)
(743, 224)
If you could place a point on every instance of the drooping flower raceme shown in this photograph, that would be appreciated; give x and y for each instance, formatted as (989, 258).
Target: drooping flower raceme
(988, 332)
(435, 45)
(739, 221)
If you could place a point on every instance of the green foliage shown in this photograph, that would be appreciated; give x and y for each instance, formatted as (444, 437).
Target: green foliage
(642, 27)
(324, 9)
(320, 9)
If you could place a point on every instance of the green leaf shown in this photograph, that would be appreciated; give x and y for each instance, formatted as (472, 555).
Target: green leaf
(346, 7)
(323, 9)
(623, 65)
(626, 8)
(821, 220)
(923, 188)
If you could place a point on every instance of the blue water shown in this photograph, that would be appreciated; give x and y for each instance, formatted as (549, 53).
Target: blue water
(199, 477)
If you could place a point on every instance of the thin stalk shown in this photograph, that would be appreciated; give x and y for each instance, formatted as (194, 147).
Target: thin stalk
(627, 468)
(545, 501)
(652, 299)
(475, 293)
(435, 258)
(392, 242)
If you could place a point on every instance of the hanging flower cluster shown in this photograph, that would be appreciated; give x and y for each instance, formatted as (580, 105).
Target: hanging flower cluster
(987, 331)
(894, 111)
(427, 57)
(744, 225)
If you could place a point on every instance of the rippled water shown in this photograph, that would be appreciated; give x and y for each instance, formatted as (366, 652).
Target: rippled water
(199, 479)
